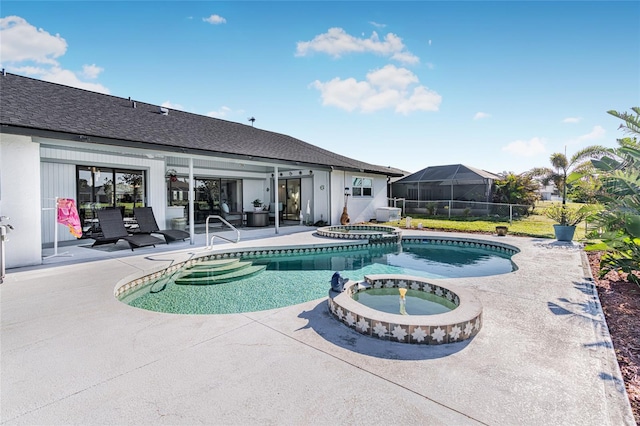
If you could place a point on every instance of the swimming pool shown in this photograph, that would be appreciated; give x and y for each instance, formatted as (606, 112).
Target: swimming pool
(298, 275)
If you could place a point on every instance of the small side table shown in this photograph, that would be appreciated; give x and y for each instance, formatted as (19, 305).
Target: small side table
(257, 219)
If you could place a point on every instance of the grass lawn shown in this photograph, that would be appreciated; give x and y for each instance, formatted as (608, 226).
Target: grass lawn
(535, 225)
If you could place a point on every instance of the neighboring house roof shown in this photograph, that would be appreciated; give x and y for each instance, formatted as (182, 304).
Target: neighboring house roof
(35, 107)
(456, 173)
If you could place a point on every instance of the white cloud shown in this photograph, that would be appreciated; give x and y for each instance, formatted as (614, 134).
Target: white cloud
(390, 77)
(388, 87)
(344, 94)
(91, 71)
(377, 25)
(528, 148)
(21, 41)
(572, 120)
(596, 133)
(224, 111)
(336, 42)
(30, 51)
(481, 115)
(422, 99)
(171, 105)
(60, 76)
(215, 20)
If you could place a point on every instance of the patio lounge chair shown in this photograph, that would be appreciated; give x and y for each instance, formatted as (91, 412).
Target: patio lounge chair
(147, 224)
(113, 230)
(234, 218)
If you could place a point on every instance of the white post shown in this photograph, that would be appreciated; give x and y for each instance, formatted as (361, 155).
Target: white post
(192, 226)
(276, 201)
(55, 234)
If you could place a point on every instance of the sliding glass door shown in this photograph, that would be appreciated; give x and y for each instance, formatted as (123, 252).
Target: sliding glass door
(289, 196)
(215, 196)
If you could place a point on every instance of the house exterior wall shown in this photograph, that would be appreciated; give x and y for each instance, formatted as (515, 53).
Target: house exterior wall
(57, 180)
(47, 169)
(58, 166)
(321, 204)
(306, 189)
(20, 199)
(254, 189)
(360, 209)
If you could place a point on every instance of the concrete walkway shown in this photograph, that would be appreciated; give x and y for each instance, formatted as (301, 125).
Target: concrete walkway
(73, 354)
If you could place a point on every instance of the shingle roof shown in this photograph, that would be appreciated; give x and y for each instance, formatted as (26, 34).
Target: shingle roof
(27, 103)
(456, 172)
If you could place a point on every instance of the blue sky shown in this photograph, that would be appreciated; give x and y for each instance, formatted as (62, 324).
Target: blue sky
(494, 85)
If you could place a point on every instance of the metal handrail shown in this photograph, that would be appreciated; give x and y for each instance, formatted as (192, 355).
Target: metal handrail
(223, 220)
(169, 276)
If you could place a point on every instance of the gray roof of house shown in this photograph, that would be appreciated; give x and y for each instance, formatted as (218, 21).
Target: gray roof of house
(458, 173)
(35, 107)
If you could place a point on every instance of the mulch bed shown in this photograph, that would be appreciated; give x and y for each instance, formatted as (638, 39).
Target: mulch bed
(620, 301)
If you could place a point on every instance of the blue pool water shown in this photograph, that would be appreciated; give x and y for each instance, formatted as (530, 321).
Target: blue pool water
(290, 280)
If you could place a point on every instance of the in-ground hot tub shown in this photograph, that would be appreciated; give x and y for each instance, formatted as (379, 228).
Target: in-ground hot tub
(362, 232)
(460, 323)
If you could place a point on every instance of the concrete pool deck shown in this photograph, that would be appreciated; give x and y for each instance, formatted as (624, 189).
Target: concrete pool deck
(73, 354)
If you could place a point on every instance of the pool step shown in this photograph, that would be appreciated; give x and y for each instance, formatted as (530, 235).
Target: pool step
(206, 264)
(233, 275)
(212, 270)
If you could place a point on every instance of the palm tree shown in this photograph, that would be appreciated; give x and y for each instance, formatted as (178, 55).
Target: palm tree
(631, 123)
(619, 221)
(565, 171)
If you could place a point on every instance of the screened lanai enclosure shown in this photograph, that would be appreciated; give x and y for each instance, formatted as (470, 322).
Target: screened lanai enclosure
(454, 189)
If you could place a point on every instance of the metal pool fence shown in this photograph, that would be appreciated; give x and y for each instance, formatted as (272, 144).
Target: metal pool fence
(454, 208)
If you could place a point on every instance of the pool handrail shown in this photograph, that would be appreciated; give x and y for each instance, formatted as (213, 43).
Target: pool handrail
(223, 220)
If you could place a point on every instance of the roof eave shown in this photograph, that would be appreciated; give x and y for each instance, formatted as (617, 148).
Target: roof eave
(81, 138)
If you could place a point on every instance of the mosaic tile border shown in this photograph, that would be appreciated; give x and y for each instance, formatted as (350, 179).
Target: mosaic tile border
(457, 325)
(463, 242)
(361, 232)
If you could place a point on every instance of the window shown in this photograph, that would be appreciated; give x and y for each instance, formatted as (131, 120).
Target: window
(362, 187)
(102, 187)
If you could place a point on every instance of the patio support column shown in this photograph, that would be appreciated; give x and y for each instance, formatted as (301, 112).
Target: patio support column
(275, 199)
(191, 212)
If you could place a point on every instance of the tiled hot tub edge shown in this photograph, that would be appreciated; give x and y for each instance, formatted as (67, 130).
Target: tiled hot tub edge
(460, 324)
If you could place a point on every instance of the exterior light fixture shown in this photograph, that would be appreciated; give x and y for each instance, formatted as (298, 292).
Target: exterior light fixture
(172, 175)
